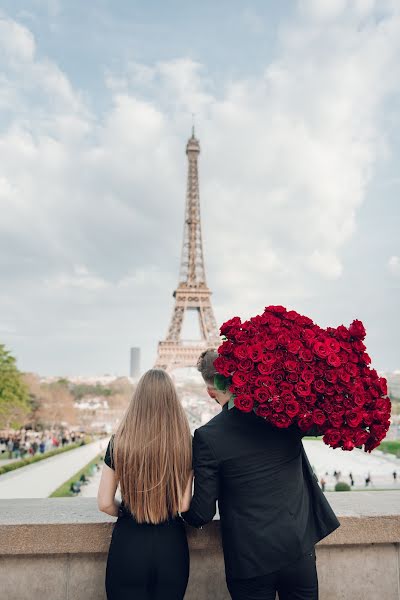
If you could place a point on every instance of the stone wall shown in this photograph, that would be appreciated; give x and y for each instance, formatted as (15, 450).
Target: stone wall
(57, 548)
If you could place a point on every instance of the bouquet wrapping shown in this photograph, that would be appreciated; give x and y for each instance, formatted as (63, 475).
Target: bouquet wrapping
(288, 370)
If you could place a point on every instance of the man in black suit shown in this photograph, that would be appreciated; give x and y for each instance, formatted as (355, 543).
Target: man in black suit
(272, 510)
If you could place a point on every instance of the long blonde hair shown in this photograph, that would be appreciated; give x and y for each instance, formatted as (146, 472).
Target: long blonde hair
(152, 450)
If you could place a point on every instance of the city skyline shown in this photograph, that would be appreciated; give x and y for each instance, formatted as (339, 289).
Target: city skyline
(296, 112)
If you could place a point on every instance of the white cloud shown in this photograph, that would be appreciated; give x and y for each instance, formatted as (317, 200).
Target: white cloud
(16, 41)
(394, 265)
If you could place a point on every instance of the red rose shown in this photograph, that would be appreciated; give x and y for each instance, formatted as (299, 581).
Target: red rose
(292, 315)
(263, 410)
(262, 395)
(225, 348)
(332, 437)
(335, 420)
(331, 376)
(319, 386)
(334, 360)
(244, 402)
(302, 389)
(311, 399)
(306, 422)
(291, 365)
(307, 376)
(357, 330)
(343, 333)
(241, 352)
(367, 417)
(359, 398)
(231, 324)
(382, 385)
(360, 437)
(351, 369)
(353, 418)
(365, 358)
(318, 416)
(343, 375)
(241, 336)
(245, 365)
(320, 349)
(278, 376)
(303, 321)
(255, 352)
(292, 377)
(292, 408)
(345, 345)
(359, 346)
(333, 345)
(270, 344)
(281, 420)
(308, 334)
(306, 355)
(239, 378)
(264, 380)
(348, 445)
(294, 347)
(276, 309)
(223, 366)
(287, 397)
(277, 405)
(286, 387)
(283, 339)
(371, 443)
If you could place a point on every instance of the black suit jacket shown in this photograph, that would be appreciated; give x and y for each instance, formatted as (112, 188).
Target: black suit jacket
(271, 507)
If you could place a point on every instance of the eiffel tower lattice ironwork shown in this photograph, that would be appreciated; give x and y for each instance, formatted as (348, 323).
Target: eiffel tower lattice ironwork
(192, 292)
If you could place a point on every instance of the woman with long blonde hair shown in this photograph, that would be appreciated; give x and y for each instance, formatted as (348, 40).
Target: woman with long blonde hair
(150, 458)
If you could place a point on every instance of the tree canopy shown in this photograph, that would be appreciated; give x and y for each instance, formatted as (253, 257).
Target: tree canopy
(14, 397)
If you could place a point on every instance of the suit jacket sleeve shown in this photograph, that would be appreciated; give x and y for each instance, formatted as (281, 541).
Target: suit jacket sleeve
(205, 465)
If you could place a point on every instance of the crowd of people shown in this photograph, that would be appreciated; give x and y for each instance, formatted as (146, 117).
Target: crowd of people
(24, 443)
(337, 475)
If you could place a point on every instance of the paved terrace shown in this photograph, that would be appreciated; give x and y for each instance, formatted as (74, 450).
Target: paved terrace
(56, 548)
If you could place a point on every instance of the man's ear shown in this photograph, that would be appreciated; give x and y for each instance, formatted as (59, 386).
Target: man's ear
(211, 393)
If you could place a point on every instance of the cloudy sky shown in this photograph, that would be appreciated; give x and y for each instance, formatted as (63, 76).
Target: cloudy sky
(298, 114)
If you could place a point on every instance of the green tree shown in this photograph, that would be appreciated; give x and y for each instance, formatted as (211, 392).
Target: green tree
(14, 397)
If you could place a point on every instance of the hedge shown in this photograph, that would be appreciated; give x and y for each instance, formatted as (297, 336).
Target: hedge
(38, 457)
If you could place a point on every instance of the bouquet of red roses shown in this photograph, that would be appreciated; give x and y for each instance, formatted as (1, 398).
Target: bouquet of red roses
(289, 370)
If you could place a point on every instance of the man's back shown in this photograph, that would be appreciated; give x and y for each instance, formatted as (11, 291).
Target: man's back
(264, 492)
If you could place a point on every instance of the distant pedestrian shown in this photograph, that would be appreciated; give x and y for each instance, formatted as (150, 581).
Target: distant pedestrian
(10, 447)
(394, 476)
(323, 483)
(351, 479)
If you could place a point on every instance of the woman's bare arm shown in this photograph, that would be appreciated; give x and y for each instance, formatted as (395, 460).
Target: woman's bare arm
(187, 495)
(106, 495)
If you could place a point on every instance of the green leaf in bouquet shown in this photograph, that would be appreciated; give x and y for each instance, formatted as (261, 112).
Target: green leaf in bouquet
(231, 402)
(221, 382)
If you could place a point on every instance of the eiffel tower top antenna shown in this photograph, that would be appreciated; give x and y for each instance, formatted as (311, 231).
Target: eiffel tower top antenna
(193, 123)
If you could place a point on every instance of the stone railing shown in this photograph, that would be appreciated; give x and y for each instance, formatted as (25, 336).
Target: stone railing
(57, 548)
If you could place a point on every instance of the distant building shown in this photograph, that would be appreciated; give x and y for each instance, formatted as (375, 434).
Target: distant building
(135, 363)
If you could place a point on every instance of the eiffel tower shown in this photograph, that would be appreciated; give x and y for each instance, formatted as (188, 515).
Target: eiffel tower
(192, 292)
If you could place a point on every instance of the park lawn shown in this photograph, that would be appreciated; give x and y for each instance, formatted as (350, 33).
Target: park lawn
(64, 489)
(392, 447)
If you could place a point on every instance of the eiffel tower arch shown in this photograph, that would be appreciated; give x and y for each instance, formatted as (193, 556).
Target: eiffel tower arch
(192, 293)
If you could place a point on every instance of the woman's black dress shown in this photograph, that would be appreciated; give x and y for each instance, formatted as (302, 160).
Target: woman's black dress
(145, 561)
